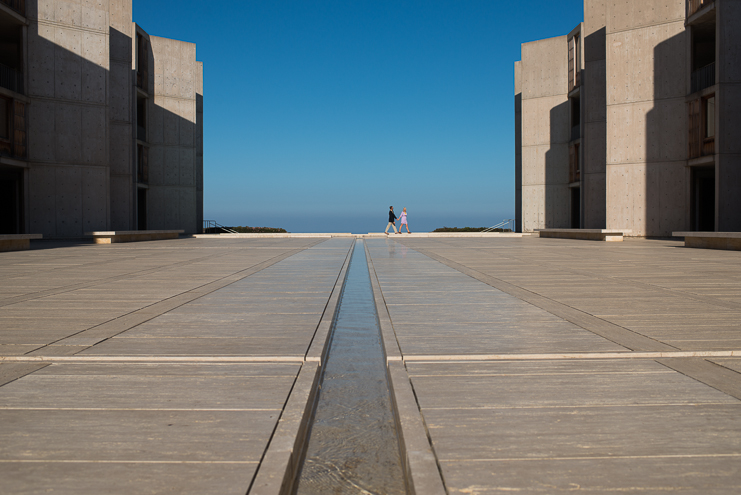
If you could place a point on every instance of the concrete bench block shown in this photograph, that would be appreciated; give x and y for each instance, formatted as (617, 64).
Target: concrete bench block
(110, 237)
(584, 234)
(16, 242)
(730, 241)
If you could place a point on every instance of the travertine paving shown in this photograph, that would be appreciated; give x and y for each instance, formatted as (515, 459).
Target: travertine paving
(491, 330)
(136, 393)
(536, 365)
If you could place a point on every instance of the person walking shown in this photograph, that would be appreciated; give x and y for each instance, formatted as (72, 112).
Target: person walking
(392, 220)
(404, 222)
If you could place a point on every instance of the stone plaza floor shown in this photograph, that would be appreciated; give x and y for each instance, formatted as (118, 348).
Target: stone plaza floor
(536, 365)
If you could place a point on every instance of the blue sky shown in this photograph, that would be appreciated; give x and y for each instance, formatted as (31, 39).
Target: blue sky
(319, 115)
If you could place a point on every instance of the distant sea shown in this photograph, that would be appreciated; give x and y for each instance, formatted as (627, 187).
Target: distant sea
(361, 224)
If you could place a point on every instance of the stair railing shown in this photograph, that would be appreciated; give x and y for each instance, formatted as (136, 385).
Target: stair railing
(509, 222)
(211, 224)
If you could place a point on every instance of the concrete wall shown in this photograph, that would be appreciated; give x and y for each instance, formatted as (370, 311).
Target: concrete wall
(172, 200)
(634, 121)
(593, 100)
(646, 117)
(122, 101)
(518, 146)
(545, 134)
(199, 146)
(81, 142)
(68, 131)
(728, 119)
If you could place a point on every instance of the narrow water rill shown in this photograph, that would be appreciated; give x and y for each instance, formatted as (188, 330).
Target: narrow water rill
(353, 447)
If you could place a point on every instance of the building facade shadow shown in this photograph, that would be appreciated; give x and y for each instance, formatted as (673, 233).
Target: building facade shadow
(97, 135)
(665, 172)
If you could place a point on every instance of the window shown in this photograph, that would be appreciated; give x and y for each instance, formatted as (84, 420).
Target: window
(575, 111)
(575, 118)
(142, 63)
(574, 166)
(4, 118)
(141, 112)
(577, 54)
(141, 119)
(710, 117)
(703, 57)
(574, 62)
(142, 164)
(577, 170)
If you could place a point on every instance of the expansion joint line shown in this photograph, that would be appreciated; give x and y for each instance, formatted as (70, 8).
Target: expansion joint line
(195, 293)
(573, 356)
(115, 278)
(639, 342)
(693, 364)
(87, 359)
(624, 280)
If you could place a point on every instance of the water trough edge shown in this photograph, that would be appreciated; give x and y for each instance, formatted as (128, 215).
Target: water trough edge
(421, 470)
(277, 473)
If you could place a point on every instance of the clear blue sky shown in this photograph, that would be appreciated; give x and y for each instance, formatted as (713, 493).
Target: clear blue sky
(319, 115)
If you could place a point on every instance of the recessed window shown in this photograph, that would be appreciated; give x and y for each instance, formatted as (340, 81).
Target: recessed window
(4, 118)
(575, 112)
(710, 117)
(577, 53)
(141, 113)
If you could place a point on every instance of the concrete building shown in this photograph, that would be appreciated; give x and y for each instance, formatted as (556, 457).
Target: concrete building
(632, 120)
(541, 83)
(100, 123)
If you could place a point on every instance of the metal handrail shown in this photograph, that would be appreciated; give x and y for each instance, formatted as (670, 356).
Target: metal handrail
(211, 224)
(509, 222)
(575, 132)
(11, 79)
(702, 78)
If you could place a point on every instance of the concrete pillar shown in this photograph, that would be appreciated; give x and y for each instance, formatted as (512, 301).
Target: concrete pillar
(594, 122)
(173, 194)
(728, 115)
(518, 147)
(122, 100)
(646, 117)
(545, 134)
(199, 148)
(68, 129)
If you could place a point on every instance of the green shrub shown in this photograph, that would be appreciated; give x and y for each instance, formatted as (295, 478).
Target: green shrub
(259, 230)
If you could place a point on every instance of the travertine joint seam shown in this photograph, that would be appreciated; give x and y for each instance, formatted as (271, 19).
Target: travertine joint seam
(575, 355)
(614, 333)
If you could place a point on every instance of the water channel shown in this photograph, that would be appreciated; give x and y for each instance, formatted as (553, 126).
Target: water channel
(353, 445)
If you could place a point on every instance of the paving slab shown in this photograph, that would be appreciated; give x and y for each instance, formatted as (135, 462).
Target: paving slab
(122, 417)
(555, 422)
(195, 478)
(415, 315)
(730, 363)
(17, 349)
(654, 474)
(522, 357)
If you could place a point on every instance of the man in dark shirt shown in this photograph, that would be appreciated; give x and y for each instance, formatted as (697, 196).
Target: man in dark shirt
(392, 219)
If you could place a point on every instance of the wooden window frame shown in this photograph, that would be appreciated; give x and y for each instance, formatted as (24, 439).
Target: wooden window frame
(6, 142)
(707, 143)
